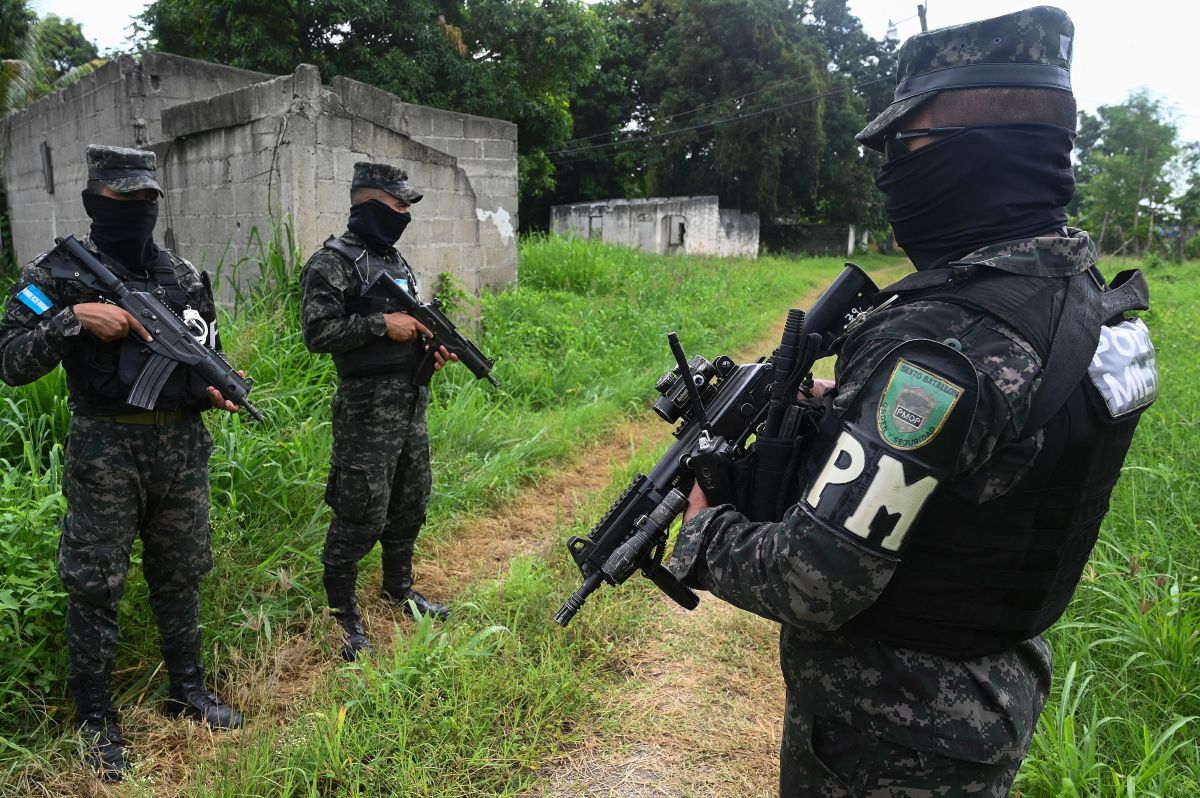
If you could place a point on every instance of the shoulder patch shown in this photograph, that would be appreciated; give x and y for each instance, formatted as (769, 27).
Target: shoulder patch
(32, 297)
(914, 406)
(900, 437)
(1124, 370)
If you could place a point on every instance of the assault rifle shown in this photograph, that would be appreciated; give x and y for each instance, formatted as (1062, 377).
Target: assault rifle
(444, 334)
(721, 404)
(173, 341)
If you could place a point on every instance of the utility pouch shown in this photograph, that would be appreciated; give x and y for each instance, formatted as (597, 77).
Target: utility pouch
(768, 477)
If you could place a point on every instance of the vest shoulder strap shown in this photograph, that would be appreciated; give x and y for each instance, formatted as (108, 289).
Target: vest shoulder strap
(1028, 304)
(348, 251)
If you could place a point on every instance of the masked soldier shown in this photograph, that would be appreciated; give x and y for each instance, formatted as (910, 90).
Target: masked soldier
(964, 463)
(379, 478)
(128, 472)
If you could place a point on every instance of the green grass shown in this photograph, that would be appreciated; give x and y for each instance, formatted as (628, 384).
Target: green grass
(1125, 711)
(475, 706)
(578, 346)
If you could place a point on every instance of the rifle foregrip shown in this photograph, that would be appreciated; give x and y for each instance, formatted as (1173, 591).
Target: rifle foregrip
(677, 591)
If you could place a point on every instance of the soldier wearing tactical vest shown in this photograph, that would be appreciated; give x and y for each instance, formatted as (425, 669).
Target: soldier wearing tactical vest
(981, 416)
(379, 478)
(128, 472)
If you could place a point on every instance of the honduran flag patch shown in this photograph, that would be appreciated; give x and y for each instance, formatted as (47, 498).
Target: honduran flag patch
(32, 297)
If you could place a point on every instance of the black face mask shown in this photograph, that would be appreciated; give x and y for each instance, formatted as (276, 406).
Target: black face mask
(377, 224)
(980, 186)
(123, 229)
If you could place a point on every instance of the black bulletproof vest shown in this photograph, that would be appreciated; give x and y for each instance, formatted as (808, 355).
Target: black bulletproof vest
(100, 375)
(380, 355)
(975, 578)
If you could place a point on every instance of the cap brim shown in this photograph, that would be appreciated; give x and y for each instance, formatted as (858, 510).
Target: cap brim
(408, 196)
(872, 135)
(125, 185)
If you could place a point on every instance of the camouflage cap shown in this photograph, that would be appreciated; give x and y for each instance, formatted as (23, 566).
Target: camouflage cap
(1030, 48)
(391, 179)
(122, 169)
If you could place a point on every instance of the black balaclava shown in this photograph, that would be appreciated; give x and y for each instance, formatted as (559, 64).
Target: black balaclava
(980, 186)
(123, 229)
(377, 224)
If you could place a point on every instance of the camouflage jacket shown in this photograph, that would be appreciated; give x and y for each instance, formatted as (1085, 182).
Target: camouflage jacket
(328, 283)
(32, 343)
(813, 582)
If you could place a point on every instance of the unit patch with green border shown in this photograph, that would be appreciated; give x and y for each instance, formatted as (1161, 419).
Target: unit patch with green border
(914, 406)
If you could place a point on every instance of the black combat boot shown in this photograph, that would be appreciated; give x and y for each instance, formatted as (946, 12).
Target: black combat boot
(188, 696)
(339, 588)
(97, 718)
(397, 585)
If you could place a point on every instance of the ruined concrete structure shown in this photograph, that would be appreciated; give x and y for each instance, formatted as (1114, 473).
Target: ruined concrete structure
(239, 149)
(664, 225)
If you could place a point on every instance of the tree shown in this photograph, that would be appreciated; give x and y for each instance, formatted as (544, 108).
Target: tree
(39, 56)
(518, 60)
(1127, 164)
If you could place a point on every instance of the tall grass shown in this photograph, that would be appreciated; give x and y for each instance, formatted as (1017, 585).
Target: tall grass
(578, 345)
(1124, 720)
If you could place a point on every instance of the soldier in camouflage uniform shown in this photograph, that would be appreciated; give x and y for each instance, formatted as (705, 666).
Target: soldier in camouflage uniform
(379, 479)
(965, 459)
(128, 472)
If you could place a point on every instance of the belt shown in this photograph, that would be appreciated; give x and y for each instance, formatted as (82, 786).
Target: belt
(156, 418)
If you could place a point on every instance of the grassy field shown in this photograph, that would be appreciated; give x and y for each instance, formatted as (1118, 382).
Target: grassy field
(475, 707)
(579, 345)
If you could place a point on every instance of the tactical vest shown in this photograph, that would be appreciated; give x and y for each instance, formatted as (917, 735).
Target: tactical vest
(100, 375)
(976, 578)
(380, 355)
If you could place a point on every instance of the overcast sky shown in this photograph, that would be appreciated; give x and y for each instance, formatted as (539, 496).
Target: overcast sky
(1119, 46)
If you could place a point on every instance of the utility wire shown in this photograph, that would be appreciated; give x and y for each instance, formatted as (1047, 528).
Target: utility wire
(690, 111)
(714, 123)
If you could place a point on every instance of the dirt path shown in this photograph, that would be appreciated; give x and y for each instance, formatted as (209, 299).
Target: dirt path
(699, 715)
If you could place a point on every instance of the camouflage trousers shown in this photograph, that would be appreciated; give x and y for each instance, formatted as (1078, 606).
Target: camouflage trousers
(379, 476)
(824, 758)
(122, 481)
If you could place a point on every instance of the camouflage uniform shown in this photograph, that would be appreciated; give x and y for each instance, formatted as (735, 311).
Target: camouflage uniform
(951, 715)
(864, 717)
(127, 472)
(379, 479)
(120, 480)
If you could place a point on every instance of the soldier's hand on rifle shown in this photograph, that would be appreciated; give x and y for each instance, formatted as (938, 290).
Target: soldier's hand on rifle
(441, 357)
(219, 401)
(403, 327)
(818, 391)
(108, 322)
(697, 501)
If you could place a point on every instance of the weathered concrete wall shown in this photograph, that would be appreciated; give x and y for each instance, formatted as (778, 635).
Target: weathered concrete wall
(684, 225)
(739, 234)
(293, 151)
(254, 150)
(812, 239)
(121, 104)
(484, 149)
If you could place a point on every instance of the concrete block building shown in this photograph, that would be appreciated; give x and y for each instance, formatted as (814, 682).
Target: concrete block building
(239, 151)
(663, 225)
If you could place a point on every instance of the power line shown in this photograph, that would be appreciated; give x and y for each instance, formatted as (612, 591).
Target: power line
(690, 111)
(715, 122)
